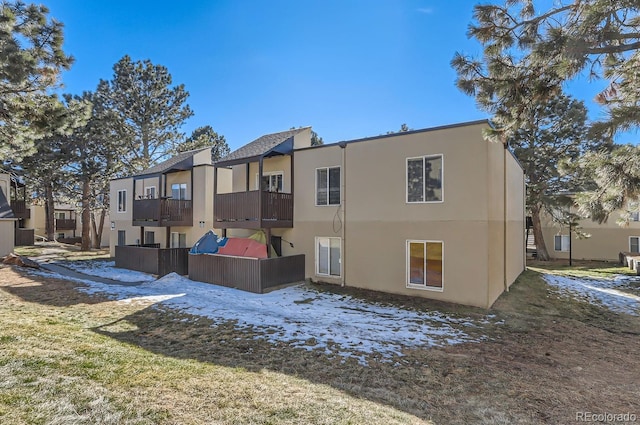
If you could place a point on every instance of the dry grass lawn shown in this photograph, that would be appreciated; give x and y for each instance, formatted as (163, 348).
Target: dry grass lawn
(67, 357)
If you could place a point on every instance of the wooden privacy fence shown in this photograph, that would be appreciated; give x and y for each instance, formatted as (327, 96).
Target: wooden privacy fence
(24, 237)
(249, 274)
(153, 259)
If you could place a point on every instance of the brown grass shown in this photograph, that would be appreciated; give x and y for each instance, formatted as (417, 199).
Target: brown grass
(66, 357)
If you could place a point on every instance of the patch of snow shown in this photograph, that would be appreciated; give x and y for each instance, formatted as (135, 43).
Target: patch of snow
(340, 324)
(604, 292)
(107, 269)
(297, 315)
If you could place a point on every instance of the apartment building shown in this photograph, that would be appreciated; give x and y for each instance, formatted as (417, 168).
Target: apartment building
(435, 213)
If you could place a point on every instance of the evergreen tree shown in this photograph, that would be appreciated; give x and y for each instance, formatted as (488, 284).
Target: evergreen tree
(142, 96)
(204, 137)
(31, 60)
(94, 153)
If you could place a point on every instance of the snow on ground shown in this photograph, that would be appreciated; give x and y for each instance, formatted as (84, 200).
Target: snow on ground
(107, 269)
(300, 316)
(604, 292)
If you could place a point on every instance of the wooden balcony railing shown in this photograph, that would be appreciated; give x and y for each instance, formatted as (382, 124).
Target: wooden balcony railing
(162, 212)
(242, 210)
(20, 208)
(65, 224)
(249, 274)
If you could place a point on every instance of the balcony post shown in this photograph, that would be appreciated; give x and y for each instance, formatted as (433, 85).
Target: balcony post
(260, 171)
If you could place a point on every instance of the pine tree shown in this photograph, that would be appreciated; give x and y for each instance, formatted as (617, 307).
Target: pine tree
(31, 60)
(142, 96)
(204, 137)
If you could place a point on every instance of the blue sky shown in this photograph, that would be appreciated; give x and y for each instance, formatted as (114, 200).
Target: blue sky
(348, 68)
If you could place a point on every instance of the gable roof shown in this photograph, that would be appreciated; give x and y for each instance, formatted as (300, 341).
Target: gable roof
(281, 142)
(180, 162)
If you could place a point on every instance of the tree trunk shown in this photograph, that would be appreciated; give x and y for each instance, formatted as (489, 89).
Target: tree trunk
(541, 247)
(49, 209)
(86, 216)
(97, 231)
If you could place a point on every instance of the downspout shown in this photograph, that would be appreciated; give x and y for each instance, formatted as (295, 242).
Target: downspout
(504, 218)
(343, 194)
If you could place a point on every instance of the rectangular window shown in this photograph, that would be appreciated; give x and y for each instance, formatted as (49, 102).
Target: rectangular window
(424, 264)
(272, 181)
(328, 256)
(122, 240)
(60, 235)
(149, 237)
(424, 179)
(634, 244)
(635, 216)
(150, 192)
(179, 191)
(60, 216)
(328, 186)
(122, 201)
(178, 240)
(561, 243)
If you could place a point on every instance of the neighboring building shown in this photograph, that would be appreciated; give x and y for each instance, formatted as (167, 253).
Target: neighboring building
(435, 213)
(67, 224)
(16, 210)
(7, 218)
(607, 240)
(169, 205)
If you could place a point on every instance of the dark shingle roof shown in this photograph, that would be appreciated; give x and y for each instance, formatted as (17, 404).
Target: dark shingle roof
(182, 161)
(261, 145)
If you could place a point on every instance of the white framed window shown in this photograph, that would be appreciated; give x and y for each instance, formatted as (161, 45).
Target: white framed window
(150, 192)
(561, 243)
(425, 261)
(122, 200)
(178, 240)
(60, 235)
(328, 257)
(425, 179)
(179, 191)
(60, 215)
(634, 244)
(327, 186)
(272, 181)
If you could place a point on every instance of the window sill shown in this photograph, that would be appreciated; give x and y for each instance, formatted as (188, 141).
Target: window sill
(424, 288)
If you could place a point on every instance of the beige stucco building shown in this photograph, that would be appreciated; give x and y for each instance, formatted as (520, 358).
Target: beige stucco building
(167, 205)
(7, 217)
(435, 213)
(605, 242)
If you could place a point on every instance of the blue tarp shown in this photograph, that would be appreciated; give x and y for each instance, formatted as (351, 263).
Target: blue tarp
(208, 244)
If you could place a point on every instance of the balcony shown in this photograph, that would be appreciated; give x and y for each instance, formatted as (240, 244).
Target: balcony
(20, 208)
(65, 224)
(162, 212)
(253, 210)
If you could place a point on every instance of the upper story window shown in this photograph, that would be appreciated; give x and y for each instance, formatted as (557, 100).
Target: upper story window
(179, 191)
(272, 181)
(328, 186)
(122, 200)
(150, 192)
(424, 179)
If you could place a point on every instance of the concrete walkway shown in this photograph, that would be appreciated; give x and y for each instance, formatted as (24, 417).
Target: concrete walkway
(57, 268)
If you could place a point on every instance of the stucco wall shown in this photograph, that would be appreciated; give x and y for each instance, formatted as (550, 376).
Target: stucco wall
(7, 236)
(375, 221)
(269, 165)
